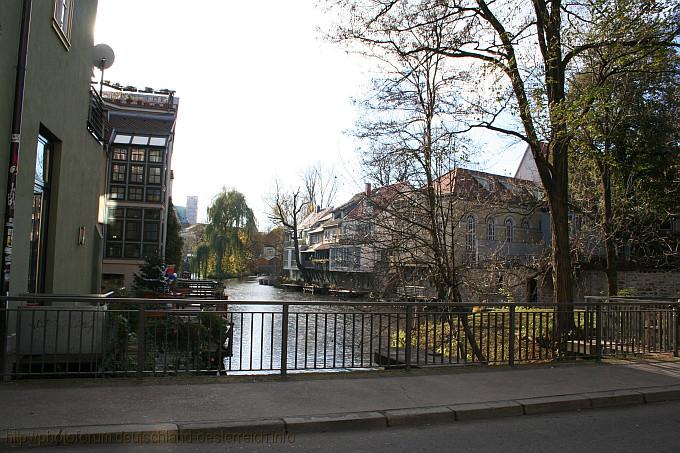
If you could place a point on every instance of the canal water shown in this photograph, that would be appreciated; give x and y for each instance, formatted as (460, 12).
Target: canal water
(320, 337)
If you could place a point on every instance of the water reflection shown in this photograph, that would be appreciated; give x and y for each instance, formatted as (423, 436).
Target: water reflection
(319, 336)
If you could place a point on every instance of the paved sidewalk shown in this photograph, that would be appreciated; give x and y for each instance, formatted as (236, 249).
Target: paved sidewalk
(304, 403)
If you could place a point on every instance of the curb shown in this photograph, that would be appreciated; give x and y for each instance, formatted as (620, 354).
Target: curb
(276, 429)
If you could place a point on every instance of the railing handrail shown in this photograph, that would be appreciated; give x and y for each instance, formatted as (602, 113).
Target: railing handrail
(62, 298)
(655, 299)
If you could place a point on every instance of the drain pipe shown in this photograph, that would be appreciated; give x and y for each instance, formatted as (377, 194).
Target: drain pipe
(15, 140)
(13, 166)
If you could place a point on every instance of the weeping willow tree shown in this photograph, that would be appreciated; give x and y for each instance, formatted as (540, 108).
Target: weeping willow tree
(201, 259)
(231, 227)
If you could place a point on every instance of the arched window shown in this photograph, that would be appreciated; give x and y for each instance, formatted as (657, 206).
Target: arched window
(490, 229)
(508, 230)
(470, 234)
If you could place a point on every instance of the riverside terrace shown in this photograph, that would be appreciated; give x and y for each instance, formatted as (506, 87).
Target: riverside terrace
(51, 336)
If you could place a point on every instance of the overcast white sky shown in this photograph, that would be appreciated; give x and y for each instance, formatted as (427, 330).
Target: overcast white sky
(262, 95)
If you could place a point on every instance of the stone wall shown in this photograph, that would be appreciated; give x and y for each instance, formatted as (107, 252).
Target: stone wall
(639, 283)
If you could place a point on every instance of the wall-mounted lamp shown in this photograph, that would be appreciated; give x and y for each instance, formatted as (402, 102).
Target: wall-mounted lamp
(81, 235)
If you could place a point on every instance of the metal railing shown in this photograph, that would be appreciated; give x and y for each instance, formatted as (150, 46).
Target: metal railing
(81, 336)
(97, 123)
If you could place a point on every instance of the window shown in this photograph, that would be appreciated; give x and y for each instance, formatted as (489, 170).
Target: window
(155, 156)
(118, 172)
(152, 214)
(150, 250)
(116, 213)
(508, 230)
(151, 231)
(137, 174)
(122, 139)
(154, 175)
(157, 141)
(135, 194)
(470, 234)
(140, 140)
(63, 18)
(137, 155)
(132, 251)
(153, 195)
(117, 193)
(114, 251)
(114, 231)
(40, 215)
(133, 230)
(490, 229)
(119, 154)
(134, 213)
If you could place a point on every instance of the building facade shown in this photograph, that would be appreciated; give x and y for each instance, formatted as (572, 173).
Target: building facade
(139, 179)
(192, 209)
(53, 233)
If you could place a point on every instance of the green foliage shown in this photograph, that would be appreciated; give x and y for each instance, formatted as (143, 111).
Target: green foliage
(173, 243)
(627, 292)
(231, 227)
(200, 260)
(149, 279)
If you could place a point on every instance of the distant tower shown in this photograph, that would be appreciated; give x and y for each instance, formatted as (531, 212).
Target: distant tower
(192, 209)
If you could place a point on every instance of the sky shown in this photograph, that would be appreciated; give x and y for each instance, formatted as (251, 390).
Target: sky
(262, 95)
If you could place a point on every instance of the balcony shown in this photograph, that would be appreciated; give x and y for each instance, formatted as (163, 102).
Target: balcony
(97, 123)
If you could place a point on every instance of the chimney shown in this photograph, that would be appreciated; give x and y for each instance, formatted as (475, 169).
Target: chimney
(368, 189)
(318, 208)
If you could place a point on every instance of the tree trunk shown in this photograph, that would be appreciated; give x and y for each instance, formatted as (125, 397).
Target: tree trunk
(609, 245)
(298, 263)
(558, 199)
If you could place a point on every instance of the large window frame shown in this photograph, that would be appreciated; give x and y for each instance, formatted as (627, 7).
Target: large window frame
(130, 232)
(40, 215)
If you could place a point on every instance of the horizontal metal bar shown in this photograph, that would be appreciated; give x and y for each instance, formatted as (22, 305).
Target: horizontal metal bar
(202, 302)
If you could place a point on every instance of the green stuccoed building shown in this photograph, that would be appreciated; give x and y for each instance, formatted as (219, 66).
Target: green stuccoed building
(51, 200)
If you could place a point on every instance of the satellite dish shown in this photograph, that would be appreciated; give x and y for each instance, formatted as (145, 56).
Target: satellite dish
(103, 56)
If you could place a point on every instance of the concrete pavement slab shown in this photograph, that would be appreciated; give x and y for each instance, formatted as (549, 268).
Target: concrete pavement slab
(234, 426)
(656, 395)
(121, 433)
(558, 403)
(419, 416)
(615, 398)
(335, 422)
(475, 411)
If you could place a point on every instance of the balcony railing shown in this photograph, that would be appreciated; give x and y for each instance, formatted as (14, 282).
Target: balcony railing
(97, 123)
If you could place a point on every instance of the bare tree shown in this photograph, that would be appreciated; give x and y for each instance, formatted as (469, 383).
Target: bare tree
(288, 209)
(518, 55)
(321, 185)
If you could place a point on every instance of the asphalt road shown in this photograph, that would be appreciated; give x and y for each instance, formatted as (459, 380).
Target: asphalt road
(647, 428)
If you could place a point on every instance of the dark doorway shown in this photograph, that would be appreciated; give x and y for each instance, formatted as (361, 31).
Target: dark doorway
(532, 291)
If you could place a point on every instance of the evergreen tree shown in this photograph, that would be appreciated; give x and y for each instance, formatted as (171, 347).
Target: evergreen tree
(150, 278)
(174, 242)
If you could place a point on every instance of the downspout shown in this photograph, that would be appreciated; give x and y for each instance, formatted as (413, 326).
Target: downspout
(12, 168)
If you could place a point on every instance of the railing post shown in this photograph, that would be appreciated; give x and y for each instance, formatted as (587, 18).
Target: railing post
(3, 340)
(284, 340)
(409, 329)
(511, 336)
(141, 343)
(598, 333)
(676, 325)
